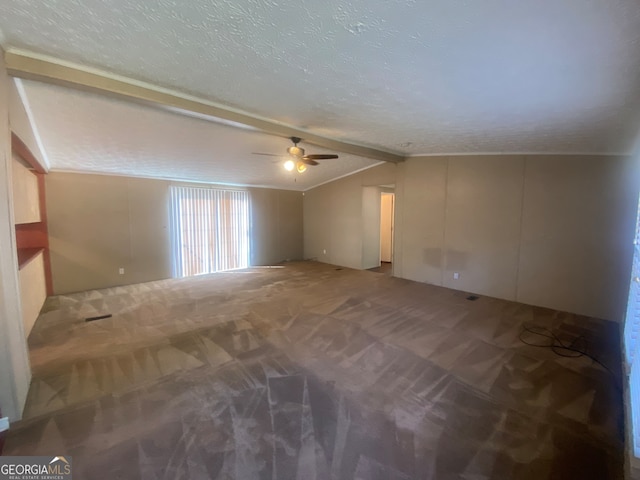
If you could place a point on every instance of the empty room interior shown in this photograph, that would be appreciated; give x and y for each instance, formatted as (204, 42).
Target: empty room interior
(342, 240)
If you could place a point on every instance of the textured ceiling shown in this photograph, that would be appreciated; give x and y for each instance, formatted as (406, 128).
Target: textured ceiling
(86, 132)
(419, 77)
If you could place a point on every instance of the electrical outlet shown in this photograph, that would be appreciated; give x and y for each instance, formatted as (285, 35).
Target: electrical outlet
(324, 252)
(456, 275)
(121, 271)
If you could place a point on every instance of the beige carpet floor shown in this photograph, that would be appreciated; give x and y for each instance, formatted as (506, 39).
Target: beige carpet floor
(315, 372)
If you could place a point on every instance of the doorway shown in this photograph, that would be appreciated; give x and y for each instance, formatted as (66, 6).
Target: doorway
(387, 200)
(377, 228)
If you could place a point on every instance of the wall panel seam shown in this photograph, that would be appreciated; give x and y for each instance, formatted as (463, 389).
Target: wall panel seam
(522, 197)
(443, 252)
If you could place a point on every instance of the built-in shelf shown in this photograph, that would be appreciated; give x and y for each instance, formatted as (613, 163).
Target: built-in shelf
(25, 255)
(30, 215)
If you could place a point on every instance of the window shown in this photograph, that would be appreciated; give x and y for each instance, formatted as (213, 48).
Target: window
(210, 230)
(632, 341)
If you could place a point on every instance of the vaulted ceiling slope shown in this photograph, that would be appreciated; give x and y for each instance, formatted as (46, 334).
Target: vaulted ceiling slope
(406, 76)
(91, 133)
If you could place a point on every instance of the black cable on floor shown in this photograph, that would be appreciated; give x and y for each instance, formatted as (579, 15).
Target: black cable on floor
(576, 348)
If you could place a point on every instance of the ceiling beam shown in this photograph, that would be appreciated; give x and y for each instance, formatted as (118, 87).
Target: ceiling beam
(31, 66)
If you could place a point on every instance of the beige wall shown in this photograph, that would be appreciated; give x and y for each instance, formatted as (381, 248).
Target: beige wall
(482, 224)
(276, 223)
(420, 205)
(99, 223)
(333, 216)
(578, 223)
(553, 231)
(15, 372)
(461, 215)
(371, 214)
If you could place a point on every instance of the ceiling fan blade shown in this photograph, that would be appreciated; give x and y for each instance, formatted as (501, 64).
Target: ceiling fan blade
(267, 154)
(309, 161)
(320, 156)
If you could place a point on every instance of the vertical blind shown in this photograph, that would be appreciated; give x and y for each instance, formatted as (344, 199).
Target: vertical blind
(632, 340)
(210, 229)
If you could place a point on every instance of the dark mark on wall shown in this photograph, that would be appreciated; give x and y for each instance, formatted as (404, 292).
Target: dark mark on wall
(100, 317)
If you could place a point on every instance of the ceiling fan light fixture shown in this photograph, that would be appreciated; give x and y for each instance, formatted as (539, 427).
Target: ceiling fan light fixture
(297, 158)
(296, 151)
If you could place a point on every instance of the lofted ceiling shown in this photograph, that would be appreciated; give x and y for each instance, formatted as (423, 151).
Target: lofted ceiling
(87, 132)
(402, 76)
